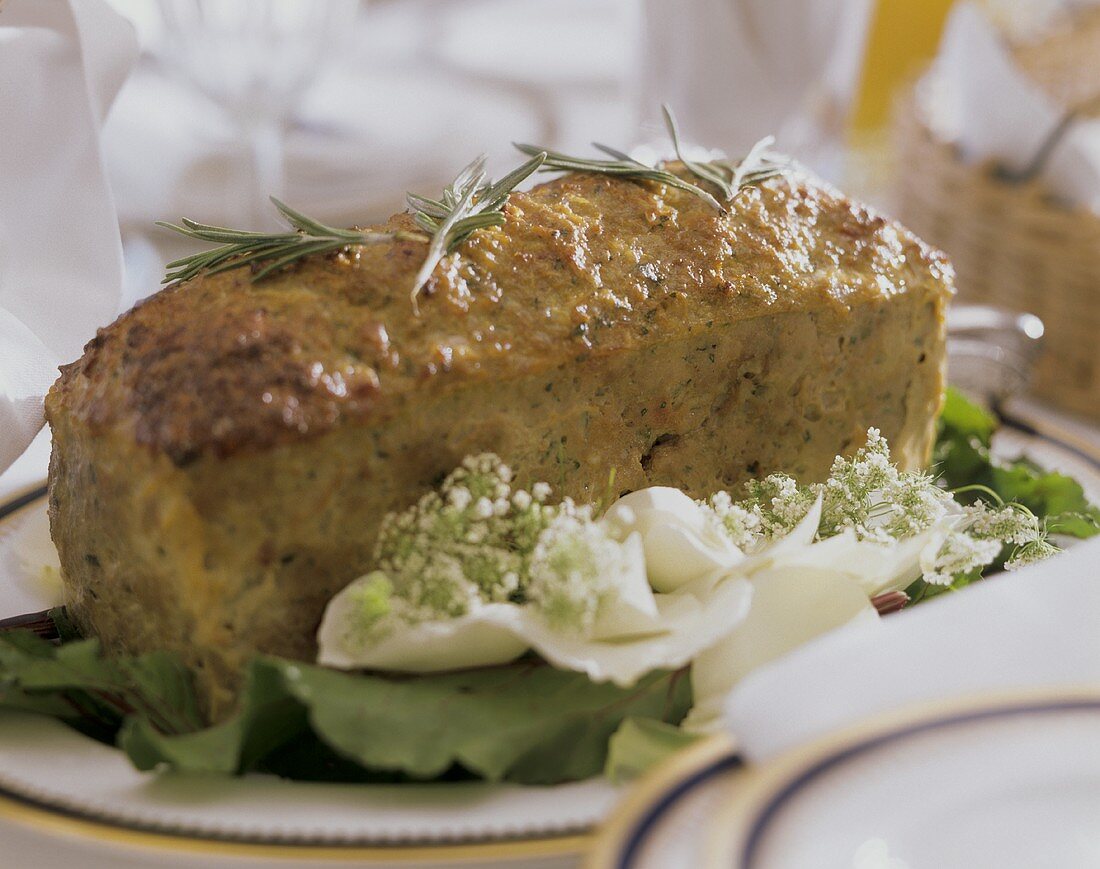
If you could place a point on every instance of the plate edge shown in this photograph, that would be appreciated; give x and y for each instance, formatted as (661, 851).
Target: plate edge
(755, 792)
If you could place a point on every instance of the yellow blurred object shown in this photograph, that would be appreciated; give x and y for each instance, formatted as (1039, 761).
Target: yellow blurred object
(904, 35)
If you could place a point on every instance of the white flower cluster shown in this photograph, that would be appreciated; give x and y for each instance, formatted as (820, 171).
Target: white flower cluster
(470, 541)
(478, 540)
(572, 570)
(744, 525)
(981, 535)
(868, 496)
(481, 572)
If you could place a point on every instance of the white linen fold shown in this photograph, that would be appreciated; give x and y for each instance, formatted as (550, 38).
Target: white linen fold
(61, 64)
(1033, 628)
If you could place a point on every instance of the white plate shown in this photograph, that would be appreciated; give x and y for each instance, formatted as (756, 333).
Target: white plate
(1011, 782)
(44, 761)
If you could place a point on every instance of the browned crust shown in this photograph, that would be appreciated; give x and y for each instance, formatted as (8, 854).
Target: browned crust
(585, 265)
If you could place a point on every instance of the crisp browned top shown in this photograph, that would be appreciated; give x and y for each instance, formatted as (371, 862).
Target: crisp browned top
(584, 265)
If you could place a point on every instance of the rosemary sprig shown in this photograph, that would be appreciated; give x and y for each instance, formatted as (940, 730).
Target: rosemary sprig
(621, 164)
(755, 167)
(469, 203)
(237, 247)
(715, 173)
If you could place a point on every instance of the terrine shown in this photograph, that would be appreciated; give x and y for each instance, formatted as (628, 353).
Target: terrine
(224, 452)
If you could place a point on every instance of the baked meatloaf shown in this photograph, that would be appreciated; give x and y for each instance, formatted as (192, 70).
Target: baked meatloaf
(224, 452)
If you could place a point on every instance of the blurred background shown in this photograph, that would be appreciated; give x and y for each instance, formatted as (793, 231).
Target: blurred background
(975, 122)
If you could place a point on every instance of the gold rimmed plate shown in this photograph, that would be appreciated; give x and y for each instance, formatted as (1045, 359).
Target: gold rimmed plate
(1008, 780)
(1011, 781)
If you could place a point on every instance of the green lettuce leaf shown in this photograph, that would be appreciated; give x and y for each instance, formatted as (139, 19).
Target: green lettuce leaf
(962, 458)
(640, 744)
(525, 722)
(75, 683)
(21, 649)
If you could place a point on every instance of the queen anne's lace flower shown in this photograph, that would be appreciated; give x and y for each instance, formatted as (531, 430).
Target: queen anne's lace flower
(1011, 524)
(373, 598)
(778, 503)
(960, 554)
(571, 571)
(1030, 553)
(472, 541)
(868, 496)
(742, 525)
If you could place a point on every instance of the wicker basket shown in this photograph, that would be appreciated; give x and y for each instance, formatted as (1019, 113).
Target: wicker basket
(1012, 246)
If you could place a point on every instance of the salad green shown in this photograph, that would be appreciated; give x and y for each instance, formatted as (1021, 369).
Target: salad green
(962, 461)
(525, 722)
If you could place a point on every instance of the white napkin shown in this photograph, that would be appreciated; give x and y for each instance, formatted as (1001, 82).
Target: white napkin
(1036, 627)
(61, 63)
(983, 101)
(738, 70)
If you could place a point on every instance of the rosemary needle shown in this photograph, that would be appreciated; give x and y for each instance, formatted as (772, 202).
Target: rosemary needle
(755, 167)
(620, 164)
(716, 174)
(237, 247)
(469, 203)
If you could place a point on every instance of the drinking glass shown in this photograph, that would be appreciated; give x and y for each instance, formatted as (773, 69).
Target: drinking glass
(256, 58)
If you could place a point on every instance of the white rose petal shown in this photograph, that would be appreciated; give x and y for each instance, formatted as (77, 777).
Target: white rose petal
(686, 625)
(790, 605)
(480, 638)
(875, 567)
(681, 541)
(633, 609)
